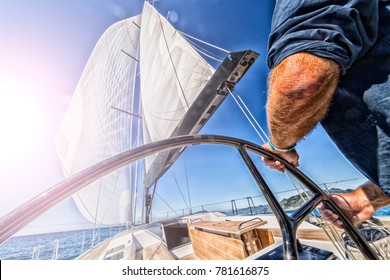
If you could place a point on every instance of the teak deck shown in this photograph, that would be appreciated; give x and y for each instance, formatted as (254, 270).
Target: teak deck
(157, 251)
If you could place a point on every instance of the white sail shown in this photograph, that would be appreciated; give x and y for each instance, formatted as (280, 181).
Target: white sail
(172, 76)
(97, 125)
(170, 94)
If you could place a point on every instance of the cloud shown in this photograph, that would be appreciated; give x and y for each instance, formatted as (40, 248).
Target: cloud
(173, 16)
(116, 10)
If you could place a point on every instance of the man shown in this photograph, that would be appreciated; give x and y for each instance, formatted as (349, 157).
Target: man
(330, 63)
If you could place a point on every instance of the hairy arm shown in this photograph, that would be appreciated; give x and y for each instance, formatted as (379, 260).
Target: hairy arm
(299, 93)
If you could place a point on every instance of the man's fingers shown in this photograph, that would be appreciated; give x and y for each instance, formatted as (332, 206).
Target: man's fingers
(331, 217)
(274, 164)
(295, 163)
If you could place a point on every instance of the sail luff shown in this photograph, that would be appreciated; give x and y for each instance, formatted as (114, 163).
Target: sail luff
(135, 108)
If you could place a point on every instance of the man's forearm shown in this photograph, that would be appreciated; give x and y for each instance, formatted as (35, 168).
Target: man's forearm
(300, 91)
(374, 195)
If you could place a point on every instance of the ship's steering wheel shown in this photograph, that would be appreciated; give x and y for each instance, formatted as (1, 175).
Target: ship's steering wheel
(20, 217)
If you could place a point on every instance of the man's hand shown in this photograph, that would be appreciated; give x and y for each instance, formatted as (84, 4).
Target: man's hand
(358, 205)
(291, 157)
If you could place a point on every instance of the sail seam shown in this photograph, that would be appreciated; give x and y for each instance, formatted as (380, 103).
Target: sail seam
(171, 59)
(128, 34)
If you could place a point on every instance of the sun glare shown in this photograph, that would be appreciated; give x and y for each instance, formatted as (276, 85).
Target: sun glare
(21, 122)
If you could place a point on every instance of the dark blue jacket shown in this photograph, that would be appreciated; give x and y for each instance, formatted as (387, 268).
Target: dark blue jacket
(355, 34)
(341, 30)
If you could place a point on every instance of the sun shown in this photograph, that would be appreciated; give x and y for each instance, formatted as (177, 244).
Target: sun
(21, 121)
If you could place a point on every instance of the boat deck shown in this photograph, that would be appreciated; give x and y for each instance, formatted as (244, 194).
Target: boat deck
(209, 237)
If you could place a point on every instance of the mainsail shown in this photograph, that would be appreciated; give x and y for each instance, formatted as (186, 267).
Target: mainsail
(95, 126)
(176, 93)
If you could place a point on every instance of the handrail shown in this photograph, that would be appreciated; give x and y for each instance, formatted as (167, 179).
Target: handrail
(244, 222)
(193, 220)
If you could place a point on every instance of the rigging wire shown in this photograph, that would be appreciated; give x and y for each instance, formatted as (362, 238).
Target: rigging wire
(337, 240)
(203, 50)
(188, 186)
(205, 54)
(204, 42)
(251, 115)
(167, 204)
(98, 224)
(247, 117)
(333, 233)
(177, 184)
(96, 213)
(189, 40)
(297, 189)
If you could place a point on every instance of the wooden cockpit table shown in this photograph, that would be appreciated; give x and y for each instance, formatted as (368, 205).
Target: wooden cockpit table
(238, 238)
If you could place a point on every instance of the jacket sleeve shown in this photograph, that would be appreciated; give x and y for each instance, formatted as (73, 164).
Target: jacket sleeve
(340, 30)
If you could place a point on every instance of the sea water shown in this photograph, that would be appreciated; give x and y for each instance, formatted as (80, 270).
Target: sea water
(71, 244)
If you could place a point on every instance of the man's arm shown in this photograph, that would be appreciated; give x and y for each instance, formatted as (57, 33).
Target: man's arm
(300, 91)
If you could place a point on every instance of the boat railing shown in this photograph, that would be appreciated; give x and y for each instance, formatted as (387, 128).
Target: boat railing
(245, 206)
(241, 206)
(37, 250)
(52, 250)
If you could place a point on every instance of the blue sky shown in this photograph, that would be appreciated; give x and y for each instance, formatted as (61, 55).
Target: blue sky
(45, 45)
